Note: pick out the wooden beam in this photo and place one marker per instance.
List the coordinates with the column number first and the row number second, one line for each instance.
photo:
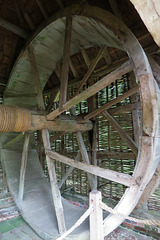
column 73, row 69
column 121, row 178
column 36, row 79
column 85, row 158
column 128, row 140
column 127, row 67
column 65, row 64
column 13, row 28
column 54, row 187
column 70, row 169
column 115, row 155
column 63, row 124
column 111, row 103
column 90, row 69
column 86, row 58
column 43, row 11
column 23, row 168
column 125, row 108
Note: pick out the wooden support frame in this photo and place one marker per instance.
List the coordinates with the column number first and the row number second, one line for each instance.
column 65, row 64
column 128, row 140
column 121, row 178
column 23, row 168
column 54, row 187
column 104, row 82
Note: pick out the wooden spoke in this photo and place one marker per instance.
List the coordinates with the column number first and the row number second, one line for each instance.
column 85, row 157
column 73, row 69
column 129, row 141
column 54, row 187
column 121, row 178
column 65, row 64
column 70, row 169
column 127, row 67
column 23, row 167
column 38, row 89
column 111, row 103
column 90, row 69
column 125, row 108
column 86, row 58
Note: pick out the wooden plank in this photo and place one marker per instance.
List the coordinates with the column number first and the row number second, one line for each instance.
column 90, row 69
column 73, row 69
column 96, row 216
column 36, row 79
column 111, row 103
column 128, row 140
column 23, row 168
column 127, row 67
column 65, row 64
column 54, row 187
column 111, row 175
column 13, row 28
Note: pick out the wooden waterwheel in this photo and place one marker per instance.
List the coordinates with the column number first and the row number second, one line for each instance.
column 66, row 33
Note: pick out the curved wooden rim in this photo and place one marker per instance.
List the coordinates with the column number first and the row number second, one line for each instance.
column 143, row 72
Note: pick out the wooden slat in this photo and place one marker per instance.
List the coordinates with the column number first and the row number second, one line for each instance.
column 54, row 187
column 65, row 64
column 127, row 67
column 36, row 79
column 111, row 103
column 23, row 168
column 90, row 69
column 128, row 140
column 104, row 173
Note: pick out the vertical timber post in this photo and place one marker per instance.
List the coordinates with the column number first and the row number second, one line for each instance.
column 96, row 216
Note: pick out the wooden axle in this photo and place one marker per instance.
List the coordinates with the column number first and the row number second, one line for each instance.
column 15, row 119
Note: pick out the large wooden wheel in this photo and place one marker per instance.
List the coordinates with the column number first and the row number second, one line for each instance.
column 76, row 28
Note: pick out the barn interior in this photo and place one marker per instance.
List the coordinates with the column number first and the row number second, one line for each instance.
column 80, row 112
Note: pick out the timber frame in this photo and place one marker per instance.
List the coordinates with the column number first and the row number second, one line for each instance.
column 145, row 151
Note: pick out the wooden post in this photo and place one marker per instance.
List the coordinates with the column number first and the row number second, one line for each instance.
column 23, row 167
column 96, row 216
column 54, row 187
